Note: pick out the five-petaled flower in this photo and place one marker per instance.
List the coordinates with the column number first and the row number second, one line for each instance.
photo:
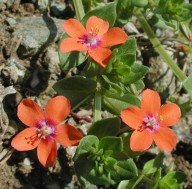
column 94, row 39
column 150, row 122
column 45, row 128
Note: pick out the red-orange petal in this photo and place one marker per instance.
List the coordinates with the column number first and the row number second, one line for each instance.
column 165, row 138
column 47, row 152
column 150, row 102
column 100, row 55
column 29, row 112
column 72, row 44
column 113, row 36
column 133, row 117
column 170, row 113
column 67, row 135
column 74, row 28
column 95, row 24
column 25, row 140
column 57, row 109
column 140, row 140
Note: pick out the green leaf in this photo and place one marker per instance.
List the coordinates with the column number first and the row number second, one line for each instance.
column 106, row 12
column 172, row 180
column 153, row 165
column 130, row 184
column 187, row 83
column 138, row 71
column 71, row 59
column 82, row 169
column 115, row 146
column 139, row 3
column 100, row 179
column 126, row 169
column 105, row 127
column 122, row 14
column 115, row 103
column 77, row 89
column 125, row 53
column 82, row 164
column 86, row 144
column 92, row 69
column 179, row 176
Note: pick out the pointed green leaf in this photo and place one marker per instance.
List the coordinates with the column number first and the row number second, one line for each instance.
column 187, row 83
column 105, row 127
column 115, row 103
column 115, row 146
column 138, row 71
column 106, row 12
column 126, row 169
column 153, row 165
column 77, row 89
column 86, row 144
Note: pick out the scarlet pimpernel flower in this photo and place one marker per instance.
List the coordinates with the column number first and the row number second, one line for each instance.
column 151, row 121
column 94, row 39
column 45, row 128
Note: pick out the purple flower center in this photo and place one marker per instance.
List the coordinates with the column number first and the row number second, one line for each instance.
column 92, row 39
column 45, row 130
column 152, row 122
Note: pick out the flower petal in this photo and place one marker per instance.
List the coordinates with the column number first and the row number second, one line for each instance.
column 29, row 112
column 133, row 117
column 171, row 114
column 57, row 109
column 141, row 140
column 165, row 138
column 25, row 140
column 150, row 102
column 113, row 36
column 100, row 55
column 74, row 28
column 67, row 135
column 47, row 152
column 95, row 24
column 72, row 44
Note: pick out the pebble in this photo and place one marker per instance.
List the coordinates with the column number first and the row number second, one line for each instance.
column 37, row 33
column 57, row 8
column 11, row 21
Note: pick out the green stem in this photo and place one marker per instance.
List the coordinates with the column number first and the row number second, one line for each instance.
column 157, row 45
column 97, row 108
column 79, row 9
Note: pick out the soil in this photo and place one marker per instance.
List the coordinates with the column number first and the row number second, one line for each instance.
column 31, row 71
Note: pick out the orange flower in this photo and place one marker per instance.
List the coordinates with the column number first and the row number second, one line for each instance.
column 44, row 131
column 94, row 39
column 151, row 122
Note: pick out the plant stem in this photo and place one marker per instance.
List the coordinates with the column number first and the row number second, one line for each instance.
column 157, row 45
column 79, row 9
column 97, row 107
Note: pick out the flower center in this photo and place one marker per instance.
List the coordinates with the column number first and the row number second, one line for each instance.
column 152, row 122
column 45, row 130
column 91, row 40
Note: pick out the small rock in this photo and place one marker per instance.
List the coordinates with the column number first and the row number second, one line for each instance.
column 11, row 21
column 52, row 61
column 57, row 8
column 43, row 5
column 37, row 33
column 9, row 3
column 29, row 7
